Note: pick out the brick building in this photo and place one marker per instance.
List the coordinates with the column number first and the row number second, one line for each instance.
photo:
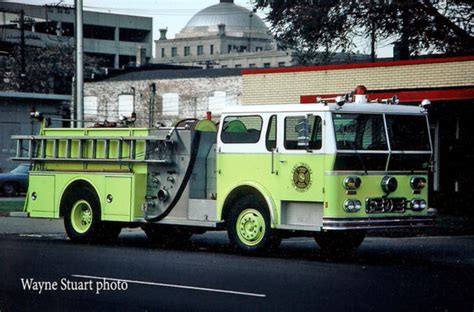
column 166, row 95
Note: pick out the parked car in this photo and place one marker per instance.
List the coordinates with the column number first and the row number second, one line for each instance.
column 14, row 182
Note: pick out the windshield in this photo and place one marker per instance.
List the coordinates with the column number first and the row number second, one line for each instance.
column 362, row 144
column 408, row 133
column 22, row 169
column 360, row 132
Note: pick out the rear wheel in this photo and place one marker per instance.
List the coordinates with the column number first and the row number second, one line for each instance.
column 339, row 242
column 82, row 219
column 249, row 225
column 10, row 189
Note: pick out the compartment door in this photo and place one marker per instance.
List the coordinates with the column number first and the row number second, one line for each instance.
column 117, row 201
column 41, row 193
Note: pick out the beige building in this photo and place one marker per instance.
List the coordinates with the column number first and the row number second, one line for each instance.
column 223, row 35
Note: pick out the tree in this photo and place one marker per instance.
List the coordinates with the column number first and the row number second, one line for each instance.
column 312, row 26
column 47, row 70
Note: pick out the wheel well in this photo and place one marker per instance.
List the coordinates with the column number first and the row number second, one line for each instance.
column 238, row 193
column 72, row 189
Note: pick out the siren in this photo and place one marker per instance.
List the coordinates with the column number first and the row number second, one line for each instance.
column 360, row 95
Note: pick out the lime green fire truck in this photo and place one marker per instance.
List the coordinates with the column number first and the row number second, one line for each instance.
column 330, row 170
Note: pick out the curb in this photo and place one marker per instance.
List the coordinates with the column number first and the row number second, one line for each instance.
column 18, row 214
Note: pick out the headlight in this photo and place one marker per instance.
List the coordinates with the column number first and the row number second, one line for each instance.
column 422, row 204
column 389, row 184
column 352, row 183
column 352, row 205
column 417, row 183
column 417, row 204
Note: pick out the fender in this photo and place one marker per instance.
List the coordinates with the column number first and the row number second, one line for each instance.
column 272, row 207
column 71, row 181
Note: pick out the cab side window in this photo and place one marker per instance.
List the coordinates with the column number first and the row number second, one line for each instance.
column 241, row 129
column 314, row 132
column 270, row 141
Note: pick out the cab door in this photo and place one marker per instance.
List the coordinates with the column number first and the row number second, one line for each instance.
column 300, row 162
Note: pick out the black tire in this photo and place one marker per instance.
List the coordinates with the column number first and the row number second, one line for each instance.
column 341, row 243
column 89, row 227
column 248, row 226
column 168, row 236
column 9, row 189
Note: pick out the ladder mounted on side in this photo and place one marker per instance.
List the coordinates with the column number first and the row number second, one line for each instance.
column 105, row 149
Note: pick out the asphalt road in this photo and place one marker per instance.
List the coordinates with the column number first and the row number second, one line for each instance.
column 387, row 274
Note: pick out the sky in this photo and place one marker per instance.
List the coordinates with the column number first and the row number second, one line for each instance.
column 171, row 14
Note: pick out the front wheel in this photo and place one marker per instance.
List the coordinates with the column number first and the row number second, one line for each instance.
column 339, row 242
column 248, row 225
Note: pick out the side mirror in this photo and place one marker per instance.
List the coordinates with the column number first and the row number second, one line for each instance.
column 303, row 131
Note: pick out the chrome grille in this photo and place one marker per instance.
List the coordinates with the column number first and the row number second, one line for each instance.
column 385, row 205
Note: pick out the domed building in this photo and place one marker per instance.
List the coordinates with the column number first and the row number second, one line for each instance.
column 224, row 35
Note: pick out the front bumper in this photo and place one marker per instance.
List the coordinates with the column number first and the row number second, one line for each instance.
column 377, row 223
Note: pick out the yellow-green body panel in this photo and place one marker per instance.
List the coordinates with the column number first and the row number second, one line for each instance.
column 126, row 182
column 255, row 170
column 126, row 190
column 325, row 186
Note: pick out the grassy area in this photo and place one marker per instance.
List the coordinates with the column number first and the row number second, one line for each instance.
column 10, row 206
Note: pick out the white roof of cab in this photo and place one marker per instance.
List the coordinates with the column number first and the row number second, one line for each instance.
column 308, row 108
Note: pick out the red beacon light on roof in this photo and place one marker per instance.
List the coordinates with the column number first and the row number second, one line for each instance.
column 360, row 95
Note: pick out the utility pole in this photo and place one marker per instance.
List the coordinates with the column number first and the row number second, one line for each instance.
column 22, row 48
column 79, row 77
column 372, row 43
column 373, row 27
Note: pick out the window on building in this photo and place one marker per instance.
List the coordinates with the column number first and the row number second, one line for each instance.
column 220, row 100
column 293, row 131
column 212, row 49
column 125, row 105
column 200, row 50
column 127, row 60
column 252, row 65
column 243, row 49
column 170, row 104
column 98, row 32
column 217, row 102
column 229, row 48
column 258, row 49
column 187, row 51
column 133, row 35
column 281, row 64
column 266, row 65
column 163, row 52
column 223, row 66
column 238, row 65
column 241, row 129
column 174, row 51
column 90, row 105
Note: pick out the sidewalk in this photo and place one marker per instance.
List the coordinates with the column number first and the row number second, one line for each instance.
column 15, row 225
